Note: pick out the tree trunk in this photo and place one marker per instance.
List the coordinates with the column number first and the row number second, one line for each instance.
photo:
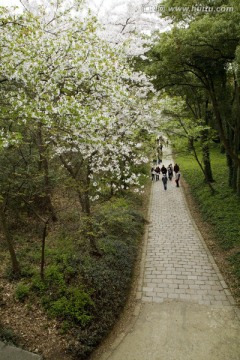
column 230, row 150
column 192, row 147
column 207, row 163
column 82, row 183
column 238, row 182
column 236, row 139
column 43, row 249
column 206, row 157
column 84, row 201
column 92, row 239
column 205, row 146
column 43, row 166
column 230, row 171
column 8, row 238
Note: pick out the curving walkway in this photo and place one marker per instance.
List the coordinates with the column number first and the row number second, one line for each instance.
column 185, row 310
column 8, row 352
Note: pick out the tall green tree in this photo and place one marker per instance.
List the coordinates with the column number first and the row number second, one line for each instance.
column 199, row 53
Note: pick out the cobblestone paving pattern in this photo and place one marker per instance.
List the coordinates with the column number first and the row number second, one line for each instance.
column 178, row 265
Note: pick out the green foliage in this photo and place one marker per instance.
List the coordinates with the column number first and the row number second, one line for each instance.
column 117, row 218
column 198, row 64
column 235, row 261
column 119, row 227
column 72, row 306
column 22, row 291
column 192, row 10
column 7, row 335
column 60, row 300
column 84, row 292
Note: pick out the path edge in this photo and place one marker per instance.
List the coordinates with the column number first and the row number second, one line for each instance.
column 138, row 293
column 210, row 256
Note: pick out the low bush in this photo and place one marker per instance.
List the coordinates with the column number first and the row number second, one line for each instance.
column 22, row 291
column 119, row 219
column 7, row 335
column 60, row 300
column 75, row 306
column 119, row 227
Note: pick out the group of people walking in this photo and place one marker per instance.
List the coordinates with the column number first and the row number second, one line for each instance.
column 167, row 174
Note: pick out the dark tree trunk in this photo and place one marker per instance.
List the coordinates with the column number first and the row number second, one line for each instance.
column 207, row 163
column 8, row 238
column 230, row 171
column 205, row 146
column 237, row 134
column 43, row 250
column 84, row 201
column 82, row 183
column 231, row 153
column 192, row 147
column 43, row 166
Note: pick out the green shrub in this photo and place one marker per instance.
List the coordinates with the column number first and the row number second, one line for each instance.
column 22, row 291
column 110, row 279
column 119, row 219
column 74, row 306
column 7, row 335
column 38, row 285
column 60, row 300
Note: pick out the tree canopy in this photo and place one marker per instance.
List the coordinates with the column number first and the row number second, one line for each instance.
column 73, row 110
column 198, row 60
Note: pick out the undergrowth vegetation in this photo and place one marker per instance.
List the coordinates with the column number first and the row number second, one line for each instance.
column 7, row 335
column 84, row 290
column 221, row 210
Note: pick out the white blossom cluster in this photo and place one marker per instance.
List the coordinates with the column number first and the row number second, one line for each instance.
column 79, row 88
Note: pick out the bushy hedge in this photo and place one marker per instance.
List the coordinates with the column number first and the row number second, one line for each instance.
column 119, row 228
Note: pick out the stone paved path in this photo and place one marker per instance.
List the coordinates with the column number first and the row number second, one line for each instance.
column 184, row 310
column 178, row 264
column 8, row 352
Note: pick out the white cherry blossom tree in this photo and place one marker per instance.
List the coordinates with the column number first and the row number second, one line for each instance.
column 76, row 92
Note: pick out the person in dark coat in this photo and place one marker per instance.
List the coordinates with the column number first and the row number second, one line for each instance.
column 157, row 171
column 170, row 171
column 176, row 168
column 164, row 170
column 177, row 178
column 165, row 180
column 153, row 173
